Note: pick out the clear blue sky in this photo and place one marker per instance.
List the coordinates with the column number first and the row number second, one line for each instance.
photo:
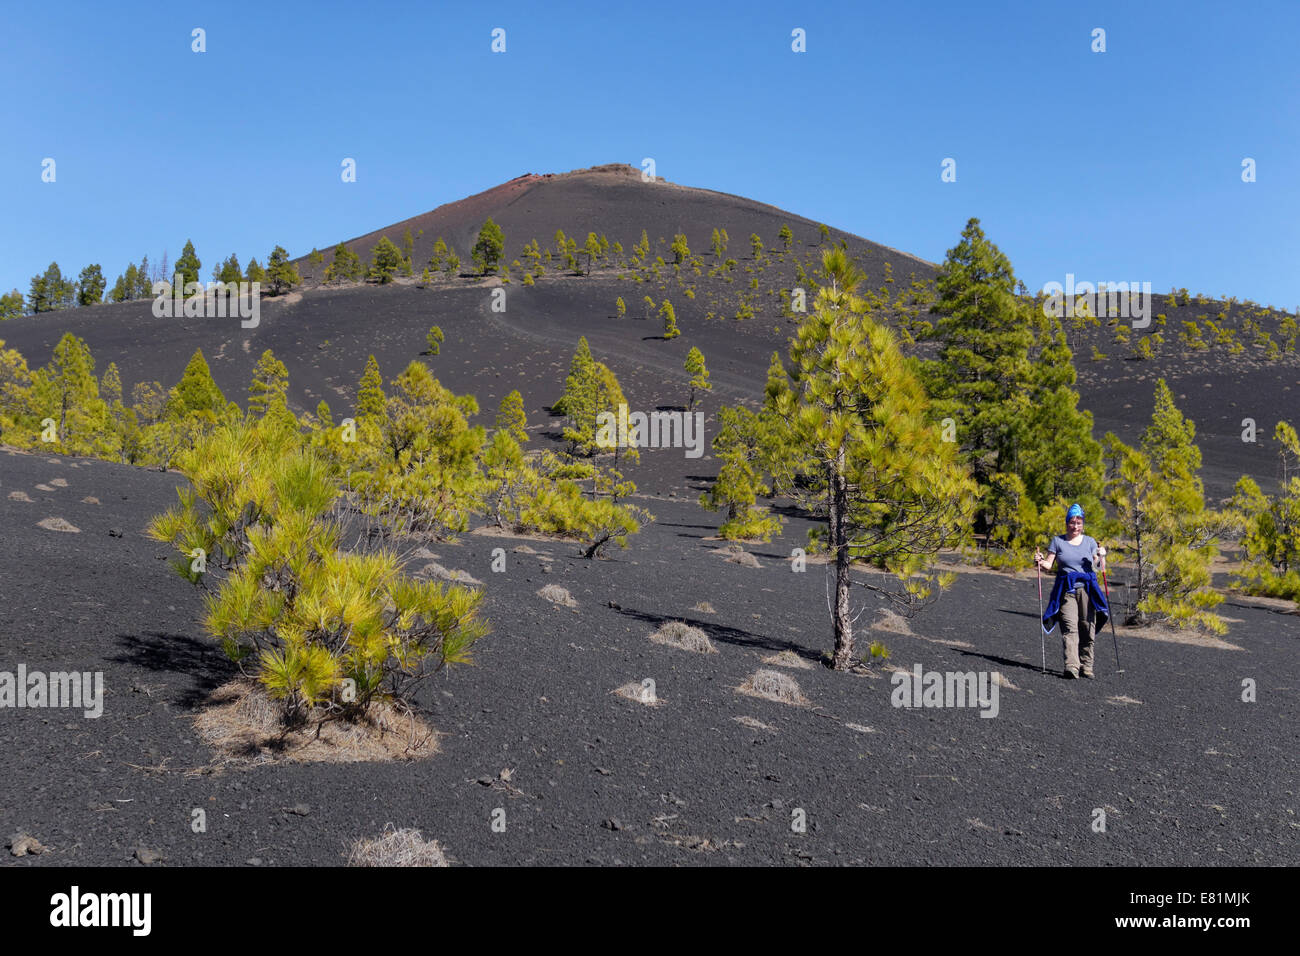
column 1123, row 165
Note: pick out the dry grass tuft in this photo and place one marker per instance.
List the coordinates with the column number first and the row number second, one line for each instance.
column 891, row 622
column 59, row 482
column 58, row 524
column 787, row 659
column 774, row 686
column 1169, row 635
column 557, row 595
column 20, row 496
column 637, row 691
column 1122, row 700
column 704, row 607
column 397, row 848
column 738, row 555
column 436, row 570
column 242, row 723
column 90, row 500
column 1003, row 682
column 681, row 635
column 754, row 723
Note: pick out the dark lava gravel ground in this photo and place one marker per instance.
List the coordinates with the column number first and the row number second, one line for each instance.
column 1186, row 772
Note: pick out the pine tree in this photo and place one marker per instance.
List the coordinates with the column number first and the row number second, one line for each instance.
column 609, row 398
column 488, row 249
column 124, row 287
column 231, row 273
column 144, row 286
column 671, row 331
column 370, row 394
column 439, row 254
column 408, row 250
column 67, row 391
column 506, row 473
column 786, row 237
column 431, row 481
column 50, row 292
column 315, row 258
column 756, row 243
column 269, row 386
column 592, row 248
column 865, row 452
column 122, row 440
column 255, row 273
column 433, row 340
column 197, row 392
column 187, row 265
column 11, row 305
column 580, row 399
column 90, row 286
column 1270, row 526
column 1009, row 393
column 15, row 390
column 452, row 266
column 699, row 374
column 620, row 307
column 306, row 617
column 345, row 266
column 385, row 260
column 1160, row 506
column 282, row 274
column 744, row 445
column 511, row 419
column 681, row 251
column 110, row 385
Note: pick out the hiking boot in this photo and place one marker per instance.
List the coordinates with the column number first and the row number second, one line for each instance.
column 1071, row 674
column 1086, row 671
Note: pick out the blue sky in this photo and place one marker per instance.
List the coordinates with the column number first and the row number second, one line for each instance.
column 1122, row 165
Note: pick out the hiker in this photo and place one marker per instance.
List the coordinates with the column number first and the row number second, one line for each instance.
column 1077, row 601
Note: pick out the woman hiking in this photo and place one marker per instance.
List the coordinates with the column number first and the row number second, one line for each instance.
column 1077, row 601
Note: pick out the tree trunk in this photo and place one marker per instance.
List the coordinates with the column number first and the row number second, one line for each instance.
column 839, row 499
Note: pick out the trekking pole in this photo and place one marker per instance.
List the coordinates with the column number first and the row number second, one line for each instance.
column 1102, row 552
column 1042, row 635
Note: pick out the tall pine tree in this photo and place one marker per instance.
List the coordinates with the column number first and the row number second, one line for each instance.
column 862, row 449
column 1005, row 378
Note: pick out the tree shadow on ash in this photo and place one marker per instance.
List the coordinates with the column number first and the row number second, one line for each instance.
column 202, row 662
column 1028, row 614
column 725, row 634
column 682, row 534
column 701, row 482
column 1004, row 661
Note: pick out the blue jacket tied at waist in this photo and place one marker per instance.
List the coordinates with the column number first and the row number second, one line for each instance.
column 1066, row 582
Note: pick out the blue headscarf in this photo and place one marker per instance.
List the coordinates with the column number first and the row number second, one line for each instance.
column 1075, row 512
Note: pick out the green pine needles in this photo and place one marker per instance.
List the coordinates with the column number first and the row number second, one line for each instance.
column 327, row 632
